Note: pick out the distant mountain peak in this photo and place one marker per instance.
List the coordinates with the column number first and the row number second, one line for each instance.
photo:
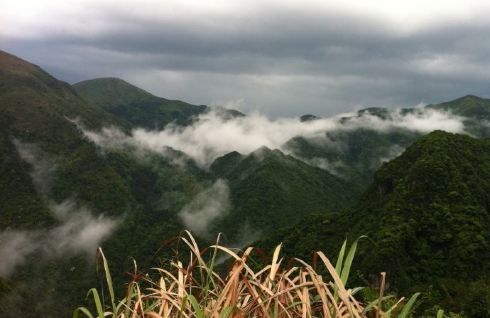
column 109, row 82
column 470, row 97
column 109, row 91
column 469, row 106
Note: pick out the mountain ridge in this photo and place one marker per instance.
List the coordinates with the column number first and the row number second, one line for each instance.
column 139, row 107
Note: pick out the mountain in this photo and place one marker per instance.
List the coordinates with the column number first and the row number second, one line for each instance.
column 356, row 153
column 38, row 109
column 137, row 106
column 269, row 190
column 426, row 214
column 47, row 165
column 58, row 187
column 474, row 109
column 353, row 155
column 32, row 97
column 468, row 106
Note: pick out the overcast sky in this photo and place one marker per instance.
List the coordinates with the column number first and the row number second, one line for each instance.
column 283, row 58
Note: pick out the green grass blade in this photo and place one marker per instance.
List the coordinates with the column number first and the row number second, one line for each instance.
column 338, row 266
column 356, row 290
column 344, row 276
column 83, row 310
column 198, row 311
column 131, row 294
column 376, row 302
column 440, row 313
column 340, row 258
column 227, row 312
column 109, row 280
column 210, row 268
column 98, row 303
column 408, row 307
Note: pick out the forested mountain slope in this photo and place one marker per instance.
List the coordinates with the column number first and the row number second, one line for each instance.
column 426, row 215
column 137, row 106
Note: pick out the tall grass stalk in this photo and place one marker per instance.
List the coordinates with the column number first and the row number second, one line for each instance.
column 197, row 289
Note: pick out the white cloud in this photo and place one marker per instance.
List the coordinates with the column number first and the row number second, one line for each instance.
column 206, row 207
column 42, row 166
column 79, row 231
column 15, row 247
column 212, row 136
column 332, row 166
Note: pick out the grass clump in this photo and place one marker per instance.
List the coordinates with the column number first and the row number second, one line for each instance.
column 203, row 288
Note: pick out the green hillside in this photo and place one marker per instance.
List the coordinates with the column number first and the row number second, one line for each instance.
column 270, row 190
column 353, row 155
column 37, row 108
column 137, row 106
column 37, row 111
column 476, row 111
column 427, row 218
column 468, row 106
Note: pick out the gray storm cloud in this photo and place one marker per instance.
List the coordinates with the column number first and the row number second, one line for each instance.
column 205, row 207
column 283, row 58
column 212, row 136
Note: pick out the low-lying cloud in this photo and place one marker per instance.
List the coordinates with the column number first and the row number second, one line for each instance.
column 212, row 136
column 15, row 246
column 206, row 207
column 78, row 231
column 42, row 166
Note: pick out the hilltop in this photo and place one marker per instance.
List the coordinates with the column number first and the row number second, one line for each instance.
column 137, row 106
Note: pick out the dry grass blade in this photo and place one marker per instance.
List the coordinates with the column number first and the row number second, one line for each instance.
column 197, row 289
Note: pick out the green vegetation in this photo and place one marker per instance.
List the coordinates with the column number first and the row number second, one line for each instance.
column 475, row 110
column 270, row 190
column 353, row 155
column 138, row 107
column 469, row 106
column 427, row 219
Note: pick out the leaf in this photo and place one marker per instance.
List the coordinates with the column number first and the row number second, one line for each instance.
column 227, row 312
column 98, row 304
column 344, row 276
column 84, row 310
column 440, row 313
column 340, row 258
column 197, row 308
column 408, row 307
